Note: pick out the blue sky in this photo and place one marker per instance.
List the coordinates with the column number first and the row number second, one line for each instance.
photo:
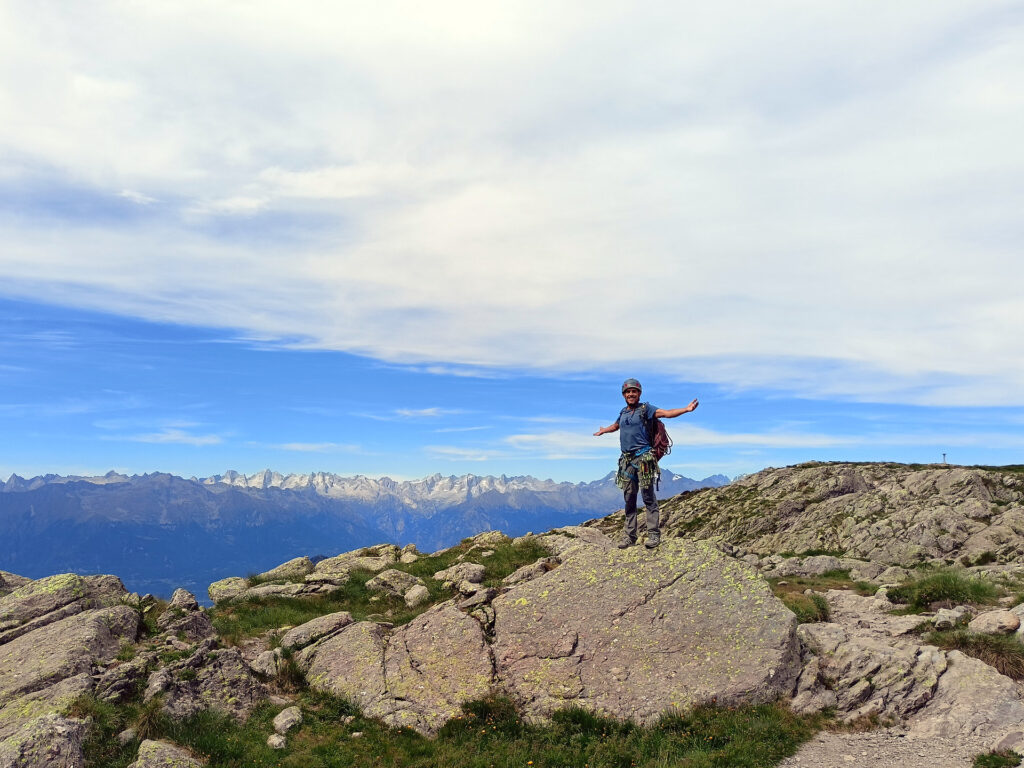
column 403, row 240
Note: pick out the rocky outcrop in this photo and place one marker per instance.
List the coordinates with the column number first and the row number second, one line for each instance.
column 227, row 589
column 184, row 618
column 300, row 578
column 886, row 513
column 58, row 633
column 393, row 582
column 675, row 627
column 10, row 582
column 214, row 679
column 35, row 604
column 868, row 663
column 48, row 741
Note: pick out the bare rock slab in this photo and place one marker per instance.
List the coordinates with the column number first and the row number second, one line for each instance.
column 633, row 634
column 971, row 700
column 313, row 630
column 292, row 570
column 63, row 649
column 417, row 676
column 51, row 741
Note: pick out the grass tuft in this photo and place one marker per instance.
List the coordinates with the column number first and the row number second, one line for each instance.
column 949, row 587
column 808, row 608
column 1003, row 652
column 1000, row 759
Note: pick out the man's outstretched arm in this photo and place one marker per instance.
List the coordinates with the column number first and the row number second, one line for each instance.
column 671, row 413
column 610, row 428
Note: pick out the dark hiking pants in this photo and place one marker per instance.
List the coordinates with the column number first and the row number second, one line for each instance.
column 651, row 505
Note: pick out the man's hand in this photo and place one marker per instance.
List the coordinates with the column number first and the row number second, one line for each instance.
column 692, row 406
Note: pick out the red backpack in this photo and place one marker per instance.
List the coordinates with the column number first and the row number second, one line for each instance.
column 657, row 435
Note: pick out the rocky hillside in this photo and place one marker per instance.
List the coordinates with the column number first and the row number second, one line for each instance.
column 887, row 513
column 312, row 656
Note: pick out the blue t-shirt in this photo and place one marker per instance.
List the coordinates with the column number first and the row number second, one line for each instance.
column 633, row 428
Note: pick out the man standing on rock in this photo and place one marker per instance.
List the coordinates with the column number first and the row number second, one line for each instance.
column 638, row 467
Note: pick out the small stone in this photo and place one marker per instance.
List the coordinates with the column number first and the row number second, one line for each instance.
column 287, row 719
column 417, row 596
column 357, row 734
column 276, row 741
column 126, row 736
column 995, row 623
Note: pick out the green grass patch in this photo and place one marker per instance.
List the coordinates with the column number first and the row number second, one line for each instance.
column 944, row 588
column 488, row 733
column 1003, row 652
column 808, row 608
column 238, row 619
column 786, row 585
column 1001, row 759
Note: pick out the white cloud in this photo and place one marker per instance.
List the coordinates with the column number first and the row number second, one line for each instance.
column 170, row 435
column 318, row 447
column 456, row 453
column 821, row 200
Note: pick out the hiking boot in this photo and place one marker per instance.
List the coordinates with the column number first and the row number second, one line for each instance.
column 652, row 543
column 626, row 544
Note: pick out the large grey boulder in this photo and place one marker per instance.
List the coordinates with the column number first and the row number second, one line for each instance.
column 63, row 649
column 293, row 570
column 418, row 676
column 313, row 630
column 471, row 572
column 35, row 604
column 160, row 754
column 227, row 589
column 43, row 671
column 995, row 623
column 634, row 633
column 184, row 617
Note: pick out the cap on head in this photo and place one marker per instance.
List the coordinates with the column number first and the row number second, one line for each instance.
column 631, row 384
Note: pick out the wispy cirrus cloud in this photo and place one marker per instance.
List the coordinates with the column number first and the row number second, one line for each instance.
column 412, row 414
column 457, row 453
column 318, row 447
column 170, row 436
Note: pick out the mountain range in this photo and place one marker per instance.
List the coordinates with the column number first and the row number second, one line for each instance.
column 159, row 531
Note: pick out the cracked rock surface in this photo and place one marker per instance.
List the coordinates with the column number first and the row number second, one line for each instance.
column 629, row 634
column 417, row 676
column 946, row 707
column 633, row 634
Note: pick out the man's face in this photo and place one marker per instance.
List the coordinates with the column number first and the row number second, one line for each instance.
column 632, row 396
